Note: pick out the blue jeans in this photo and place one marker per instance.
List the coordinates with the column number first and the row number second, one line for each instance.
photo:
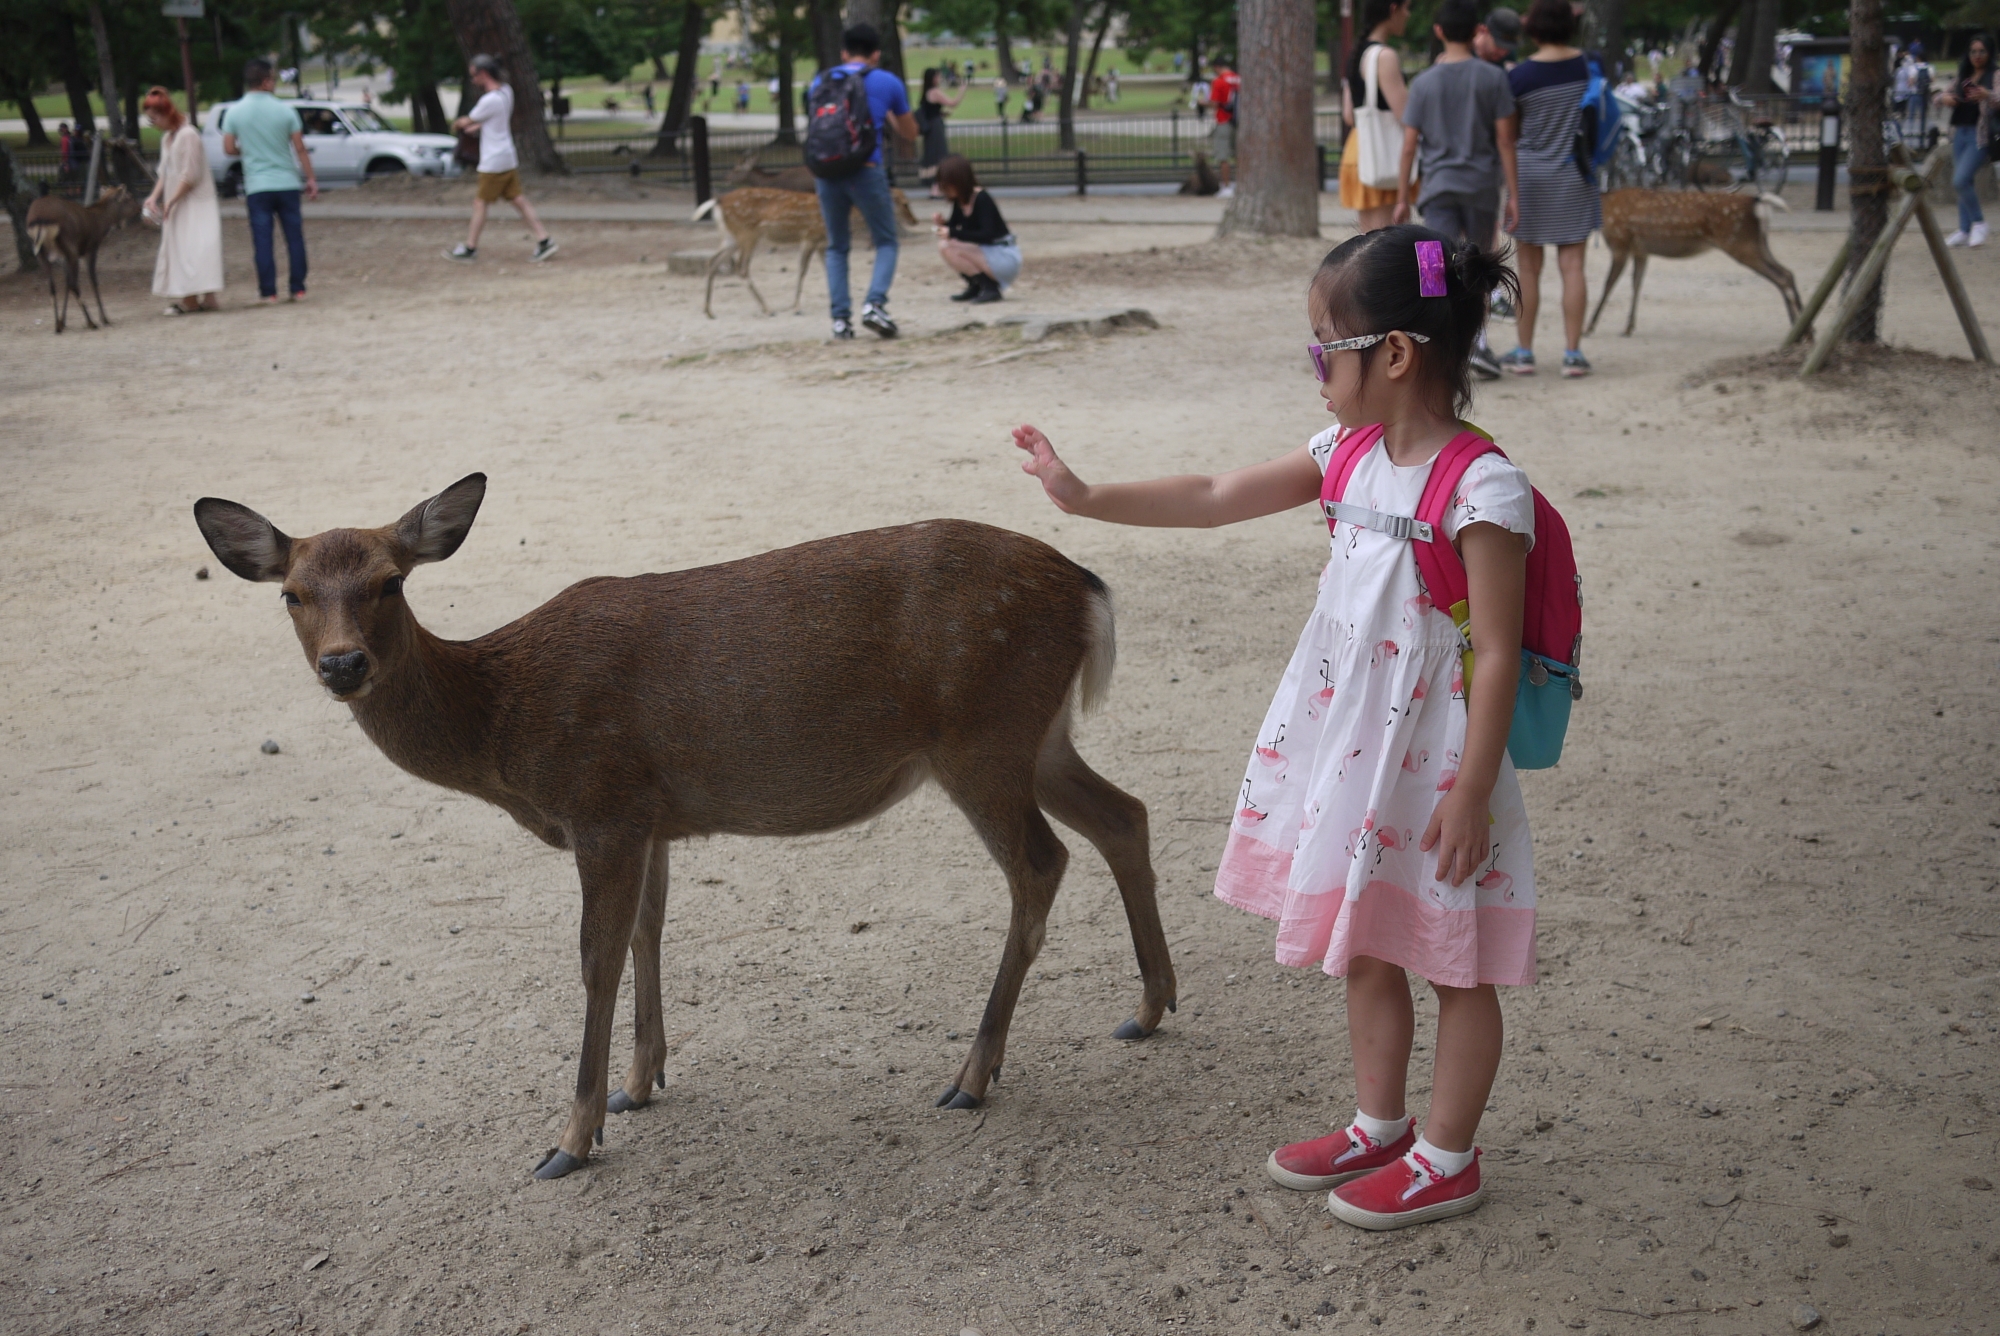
column 283, row 205
column 1966, row 157
column 868, row 191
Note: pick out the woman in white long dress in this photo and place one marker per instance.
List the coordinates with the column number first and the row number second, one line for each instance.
column 183, row 204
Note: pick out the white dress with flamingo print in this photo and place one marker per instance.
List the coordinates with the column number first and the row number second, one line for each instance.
column 1360, row 744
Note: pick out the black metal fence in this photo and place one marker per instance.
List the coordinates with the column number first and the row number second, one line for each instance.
column 1108, row 150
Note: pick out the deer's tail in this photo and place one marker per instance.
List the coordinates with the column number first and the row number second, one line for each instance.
column 707, row 207
column 1766, row 202
column 40, row 235
column 1100, row 654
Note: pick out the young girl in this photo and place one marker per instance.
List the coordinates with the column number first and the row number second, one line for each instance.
column 1380, row 822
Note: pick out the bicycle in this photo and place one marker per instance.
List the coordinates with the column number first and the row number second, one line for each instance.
column 1761, row 146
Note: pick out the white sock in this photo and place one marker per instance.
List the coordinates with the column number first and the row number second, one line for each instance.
column 1382, row 1131
column 1446, row 1162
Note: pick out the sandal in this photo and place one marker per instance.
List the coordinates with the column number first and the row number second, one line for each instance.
column 177, row 309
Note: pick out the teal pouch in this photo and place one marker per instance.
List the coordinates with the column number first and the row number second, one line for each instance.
column 1541, row 711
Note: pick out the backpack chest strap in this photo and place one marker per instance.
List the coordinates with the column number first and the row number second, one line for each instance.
column 1395, row 526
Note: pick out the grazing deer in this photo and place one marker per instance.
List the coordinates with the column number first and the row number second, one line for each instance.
column 1680, row 224
column 60, row 227
column 750, row 217
column 627, row 713
column 747, row 172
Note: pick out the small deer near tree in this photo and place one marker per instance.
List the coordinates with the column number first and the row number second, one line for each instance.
column 60, row 229
column 785, row 694
column 1680, row 224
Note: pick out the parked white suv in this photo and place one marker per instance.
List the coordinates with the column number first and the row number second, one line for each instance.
column 349, row 143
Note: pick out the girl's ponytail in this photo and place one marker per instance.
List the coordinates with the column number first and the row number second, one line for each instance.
column 1481, row 272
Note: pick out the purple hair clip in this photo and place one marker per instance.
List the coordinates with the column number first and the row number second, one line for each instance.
column 1430, row 268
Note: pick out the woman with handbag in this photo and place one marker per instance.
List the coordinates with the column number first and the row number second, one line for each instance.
column 1970, row 97
column 1371, row 106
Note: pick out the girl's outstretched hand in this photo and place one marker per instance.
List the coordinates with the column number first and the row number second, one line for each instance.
column 1460, row 832
column 1064, row 488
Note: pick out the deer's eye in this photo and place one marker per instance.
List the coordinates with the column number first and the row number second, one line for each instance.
column 291, row 599
column 392, row 586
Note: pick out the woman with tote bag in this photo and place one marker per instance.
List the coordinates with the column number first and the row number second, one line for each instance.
column 1371, row 104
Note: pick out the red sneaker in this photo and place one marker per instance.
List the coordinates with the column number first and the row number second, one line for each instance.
column 1408, row 1192
column 1314, row 1166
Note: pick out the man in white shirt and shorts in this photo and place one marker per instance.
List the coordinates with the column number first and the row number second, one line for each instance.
column 499, row 166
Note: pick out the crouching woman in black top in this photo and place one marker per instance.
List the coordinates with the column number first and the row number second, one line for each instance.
column 974, row 241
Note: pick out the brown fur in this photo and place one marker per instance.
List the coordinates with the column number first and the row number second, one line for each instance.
column 747, row 172
column 755, row 216
column 63, row 228
column 1679, row 224
column 784, row 694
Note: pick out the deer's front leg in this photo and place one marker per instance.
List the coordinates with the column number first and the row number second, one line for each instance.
column 612, row 865
column 649, row 1047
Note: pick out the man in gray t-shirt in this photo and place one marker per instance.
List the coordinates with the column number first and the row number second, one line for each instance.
column 1458, row 133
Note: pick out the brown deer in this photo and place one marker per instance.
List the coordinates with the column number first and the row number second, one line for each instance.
column 60, row 227
column 627, row 713
column 748, row 172
column 754, row 216
column 1680, row 224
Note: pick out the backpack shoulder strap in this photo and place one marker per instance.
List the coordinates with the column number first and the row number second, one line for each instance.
column 1348, row 449
column 1438, row 561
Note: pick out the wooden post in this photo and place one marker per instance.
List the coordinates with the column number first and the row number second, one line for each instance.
column 698, row 150
column 1861, row 290
column 1961, row 301
column 187, row 73
column 1831, row 280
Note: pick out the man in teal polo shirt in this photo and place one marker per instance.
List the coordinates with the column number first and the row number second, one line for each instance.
column 270, row 138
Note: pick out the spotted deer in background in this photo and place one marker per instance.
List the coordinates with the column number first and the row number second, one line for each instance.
column 1680, row 224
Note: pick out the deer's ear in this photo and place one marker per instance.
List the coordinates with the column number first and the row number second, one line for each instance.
column 244, row 541
column 433, row 530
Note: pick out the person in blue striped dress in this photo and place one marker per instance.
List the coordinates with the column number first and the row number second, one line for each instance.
column 1559, row 204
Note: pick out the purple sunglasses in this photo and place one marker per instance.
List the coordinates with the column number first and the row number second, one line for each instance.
column 1318, row 351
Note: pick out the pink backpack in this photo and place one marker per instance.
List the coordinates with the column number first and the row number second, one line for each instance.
column 1552, row 618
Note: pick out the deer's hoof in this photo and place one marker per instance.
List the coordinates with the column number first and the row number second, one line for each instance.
column 1130, row 1030
column 557, row 1163
column 620, row 1102
column 954, row 1098
column 660, row 1079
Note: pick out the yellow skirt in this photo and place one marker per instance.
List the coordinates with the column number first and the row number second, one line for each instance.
column 1354, row 195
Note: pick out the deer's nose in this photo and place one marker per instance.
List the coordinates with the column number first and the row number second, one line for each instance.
column 343, row 672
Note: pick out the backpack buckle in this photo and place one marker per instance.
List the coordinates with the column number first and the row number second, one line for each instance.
column 1395, row 526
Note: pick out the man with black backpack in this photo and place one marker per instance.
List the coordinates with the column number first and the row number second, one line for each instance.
column 847, row 109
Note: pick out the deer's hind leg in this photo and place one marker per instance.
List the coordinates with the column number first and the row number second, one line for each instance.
column 715, row 263
column 649, row 1040
column 996, row 793
column 1610, row 282
column 1115, row 822
column 749, row 253
column 806, row 253
column 72, row 272
column 58, row 305
column 1638, row 280
column 97, row 291
column 612, row 865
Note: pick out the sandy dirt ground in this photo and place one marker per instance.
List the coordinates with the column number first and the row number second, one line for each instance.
column 284, row 1034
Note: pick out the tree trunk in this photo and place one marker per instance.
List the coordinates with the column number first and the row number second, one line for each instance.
column 492, row 27
column 38, row 137
column 1607, row 24
column 1711, row 43
column 1066, row 96
column 788, row 126
column 14, row 198
column 69, row 61
column 1867, row 162
column 890, row 24
column 825, row 18
column 1096, row 45
column 107, row 73
column 1277, row 190
column 659, row 67
column 1003, row 46
column 1763, row 49
column 680, row 97
column 427, row 111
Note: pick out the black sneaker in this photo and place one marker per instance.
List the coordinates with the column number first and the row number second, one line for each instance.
column 543, row 250
column 1498, row 305
column 989, row 290
column 463, row 253
column 972, row 290
column 843, row 328
column 1484, row 364
column 878, row 320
